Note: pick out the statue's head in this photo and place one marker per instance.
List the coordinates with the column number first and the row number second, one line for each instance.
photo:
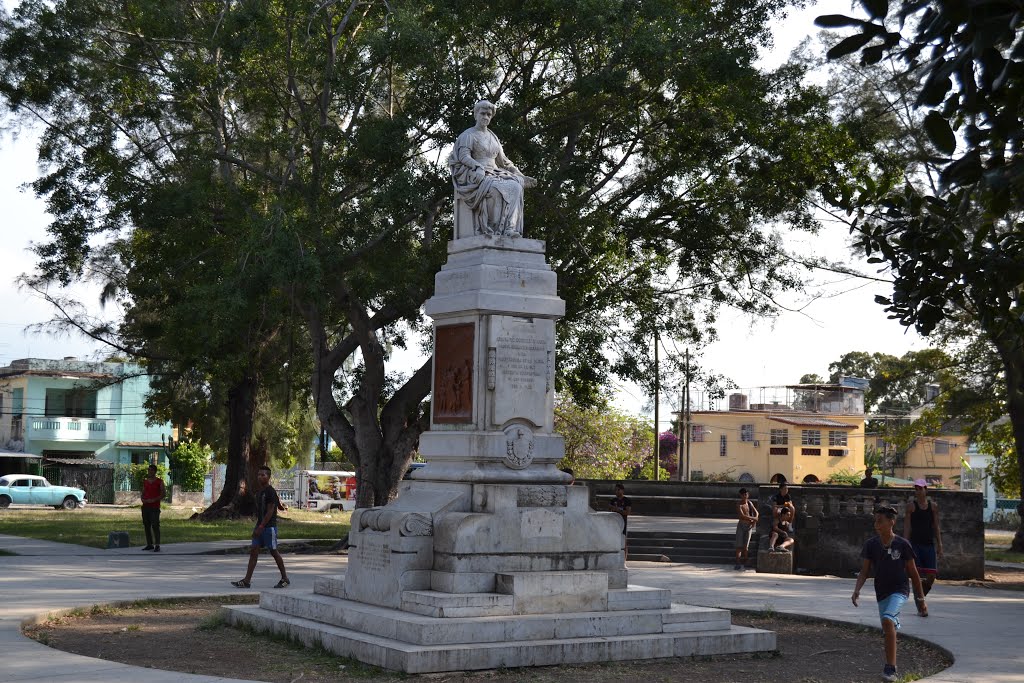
column 483, row 105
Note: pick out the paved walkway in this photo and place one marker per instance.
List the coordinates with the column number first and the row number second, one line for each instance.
column 979, row 626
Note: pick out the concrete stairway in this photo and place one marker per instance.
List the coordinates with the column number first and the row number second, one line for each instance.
column 640, row 623
column 685, row 546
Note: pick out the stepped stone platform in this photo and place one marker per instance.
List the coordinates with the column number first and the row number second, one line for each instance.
column 435, row 631
column 686, row 546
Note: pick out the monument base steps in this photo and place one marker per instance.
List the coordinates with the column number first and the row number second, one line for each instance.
column 480, row 631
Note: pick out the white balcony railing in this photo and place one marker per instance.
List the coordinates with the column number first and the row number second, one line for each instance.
column 71, row 429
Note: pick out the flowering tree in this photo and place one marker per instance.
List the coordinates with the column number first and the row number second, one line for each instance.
column 667, row 449
column 602, row 443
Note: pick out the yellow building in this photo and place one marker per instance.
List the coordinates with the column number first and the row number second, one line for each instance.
column 820, row 430
column 936, row 459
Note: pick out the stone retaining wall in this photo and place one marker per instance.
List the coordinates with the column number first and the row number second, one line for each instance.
column 833, row 522
column 686, row 498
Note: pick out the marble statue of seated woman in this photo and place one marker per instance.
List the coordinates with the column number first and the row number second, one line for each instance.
column 489, row 185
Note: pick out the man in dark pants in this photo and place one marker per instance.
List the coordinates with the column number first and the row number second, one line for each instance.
column 152, row 493
column 265, row 533
column 921, row 528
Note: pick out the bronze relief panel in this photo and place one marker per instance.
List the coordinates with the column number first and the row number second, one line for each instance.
column 452, row 401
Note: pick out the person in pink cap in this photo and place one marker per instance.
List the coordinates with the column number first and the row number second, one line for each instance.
column 921, row 527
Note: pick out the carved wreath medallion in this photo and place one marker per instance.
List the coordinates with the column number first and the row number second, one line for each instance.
column 519, row 443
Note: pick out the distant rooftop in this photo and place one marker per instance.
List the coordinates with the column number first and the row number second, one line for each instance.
column 843, row 398
column 67, row 367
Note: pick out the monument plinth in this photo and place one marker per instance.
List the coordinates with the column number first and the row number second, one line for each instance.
column 488, row 558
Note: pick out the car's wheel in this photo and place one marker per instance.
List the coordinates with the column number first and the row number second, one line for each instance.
column 70, row 503
column 5, row 501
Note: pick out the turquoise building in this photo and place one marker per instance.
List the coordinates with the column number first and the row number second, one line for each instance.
column 71, row 412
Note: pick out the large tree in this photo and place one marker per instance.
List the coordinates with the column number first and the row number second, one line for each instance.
column 955, row 250
column 312, row 137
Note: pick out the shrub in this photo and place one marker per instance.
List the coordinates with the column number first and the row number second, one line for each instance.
column 135, row 473
column 844, row 477
column 190, row 461
column 1004, row 519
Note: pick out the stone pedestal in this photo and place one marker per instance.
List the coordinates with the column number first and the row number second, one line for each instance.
column 487, row 558
column 774, row 563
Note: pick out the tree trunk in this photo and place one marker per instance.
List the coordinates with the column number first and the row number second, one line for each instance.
column 1012, row 355
column 241, row 410
column 379, row 441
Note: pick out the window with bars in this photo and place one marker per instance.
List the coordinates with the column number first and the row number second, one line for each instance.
column 836, row 438
column 722, row 445
column 810, row 437
column 746, row 432
column 780, row 437
column 696, row 433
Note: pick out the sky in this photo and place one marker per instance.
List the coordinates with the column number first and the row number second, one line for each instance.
column 833, row 317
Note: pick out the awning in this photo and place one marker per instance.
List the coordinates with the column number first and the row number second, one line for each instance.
column 139, row 444
column 80, row 461
column 812, row 422
column 14, row 454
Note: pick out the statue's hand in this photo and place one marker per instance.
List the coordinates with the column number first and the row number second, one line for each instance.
column 529, row 182
column 477, row 174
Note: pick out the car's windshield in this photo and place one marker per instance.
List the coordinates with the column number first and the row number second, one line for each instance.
column 4, row 481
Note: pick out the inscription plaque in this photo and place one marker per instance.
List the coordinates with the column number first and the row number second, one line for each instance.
column 522, row 348
column 374, row 557
column 453, row 374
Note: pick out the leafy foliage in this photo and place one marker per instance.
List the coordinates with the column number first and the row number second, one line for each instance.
column 135, row 473
column 602, row 443
column 997, row 440
column 275, row 170
column 955, row 249
column 844, row 478
column 190, row 461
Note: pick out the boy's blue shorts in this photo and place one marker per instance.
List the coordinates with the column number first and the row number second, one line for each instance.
column 268, row 539
column 889, row 608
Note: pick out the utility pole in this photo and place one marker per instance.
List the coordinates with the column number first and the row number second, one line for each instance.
column 657, row 392
column 685, row 472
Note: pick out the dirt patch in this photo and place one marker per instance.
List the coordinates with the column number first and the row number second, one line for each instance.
column 190, row 636
column 1001, row 578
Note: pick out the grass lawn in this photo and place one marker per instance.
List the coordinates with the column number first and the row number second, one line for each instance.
column 91, row 525
column 1002, row 555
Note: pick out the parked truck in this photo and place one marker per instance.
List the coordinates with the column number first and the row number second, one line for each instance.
column 325, row 490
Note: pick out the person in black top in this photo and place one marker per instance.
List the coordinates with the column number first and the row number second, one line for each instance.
column 782, row 532
column 869, row 482
column 265, row 533
column 623, row 506
column 892, row 558
column 781, row 500
column 921, row 526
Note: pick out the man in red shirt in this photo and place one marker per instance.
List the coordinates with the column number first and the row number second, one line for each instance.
column 152, row 493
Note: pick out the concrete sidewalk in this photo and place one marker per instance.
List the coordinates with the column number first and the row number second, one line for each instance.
column 32, row 547
column 977, row 625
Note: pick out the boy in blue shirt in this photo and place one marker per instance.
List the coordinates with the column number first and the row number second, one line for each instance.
column 892, row 558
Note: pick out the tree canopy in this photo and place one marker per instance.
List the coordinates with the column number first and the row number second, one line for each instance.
column 955, row 249
column 273, row 163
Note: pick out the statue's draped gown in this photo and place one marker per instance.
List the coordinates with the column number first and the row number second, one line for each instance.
column 502, row 182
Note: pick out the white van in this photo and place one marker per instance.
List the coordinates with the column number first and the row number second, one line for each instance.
column 325, row 490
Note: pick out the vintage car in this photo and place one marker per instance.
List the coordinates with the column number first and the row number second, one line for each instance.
column 29, row 489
